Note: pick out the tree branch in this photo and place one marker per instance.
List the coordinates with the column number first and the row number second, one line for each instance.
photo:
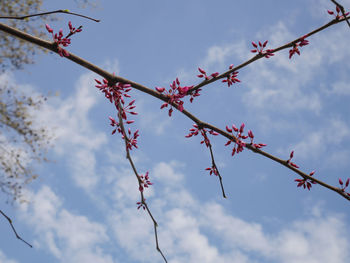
column 114, row 79
column 259, row 56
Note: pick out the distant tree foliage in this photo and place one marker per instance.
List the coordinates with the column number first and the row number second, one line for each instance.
column 21, row 140
column 15, row 53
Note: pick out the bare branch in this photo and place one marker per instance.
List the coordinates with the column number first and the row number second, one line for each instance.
column 65, row 11
column 143, row 200
column 13, row 228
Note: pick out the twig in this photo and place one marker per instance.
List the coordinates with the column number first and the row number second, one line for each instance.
column 214, row 165
column 143, row 200
column 259, row 56
column 13, row 228
column 65, row 11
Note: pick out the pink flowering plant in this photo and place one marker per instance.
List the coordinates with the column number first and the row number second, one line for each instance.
column 116, row 90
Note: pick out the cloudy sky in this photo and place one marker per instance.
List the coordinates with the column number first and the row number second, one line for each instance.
column 83, row 208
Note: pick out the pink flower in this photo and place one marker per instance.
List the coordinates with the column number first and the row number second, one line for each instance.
column 301, row 42
column 204, row 74
column 339, row 15
column 175, row 95
column 63, row 41
column 144, row 182
column 260, row 50
column 305, row 182
column 141, row 204
column 344, row 186
column 160, row 89
column 212, row 170
column 195, row 131
column 49, row 29
column 239, row 143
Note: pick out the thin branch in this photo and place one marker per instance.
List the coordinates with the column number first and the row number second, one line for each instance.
column 143, row 200
column 342, row 11
column 65, row 11
column 13, row 228
column 269, row 156
column 214, row 165
column 259, row 56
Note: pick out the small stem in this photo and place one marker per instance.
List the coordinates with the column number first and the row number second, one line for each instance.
column 13, row 228
column 214, row 165
column 65, row 11
column 128, row 156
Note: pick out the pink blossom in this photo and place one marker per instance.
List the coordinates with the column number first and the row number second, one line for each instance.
column 260, row 50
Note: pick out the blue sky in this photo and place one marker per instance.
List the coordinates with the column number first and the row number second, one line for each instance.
column 83, row 206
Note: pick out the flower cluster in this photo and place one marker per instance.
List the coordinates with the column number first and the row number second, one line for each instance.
column 344, row 186
column 64, row 41
column 305, row 182
column 141, row 204
column 116, row 93
column 232, row 77
column 260, row 50
column 212, row 170
column 205, row 76
column 131, row 140
column 239, row 143
column 175, row 94
column 195, row 131
column 337, row 16
column 144, row 181
column 301, row 42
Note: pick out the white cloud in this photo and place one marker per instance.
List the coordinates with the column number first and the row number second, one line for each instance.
column 165, row 172
column 4, row 259
column 281, row 83
column 154, row 121
column 218, row 55
column 340, row 88
column 83, row 168
column 68, row 236
column 316, row 143
column 70, row 117
column 187, row 226
column 318, row 239
column 76, row 137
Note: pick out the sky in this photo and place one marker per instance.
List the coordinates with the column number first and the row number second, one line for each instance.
column 83, row 208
